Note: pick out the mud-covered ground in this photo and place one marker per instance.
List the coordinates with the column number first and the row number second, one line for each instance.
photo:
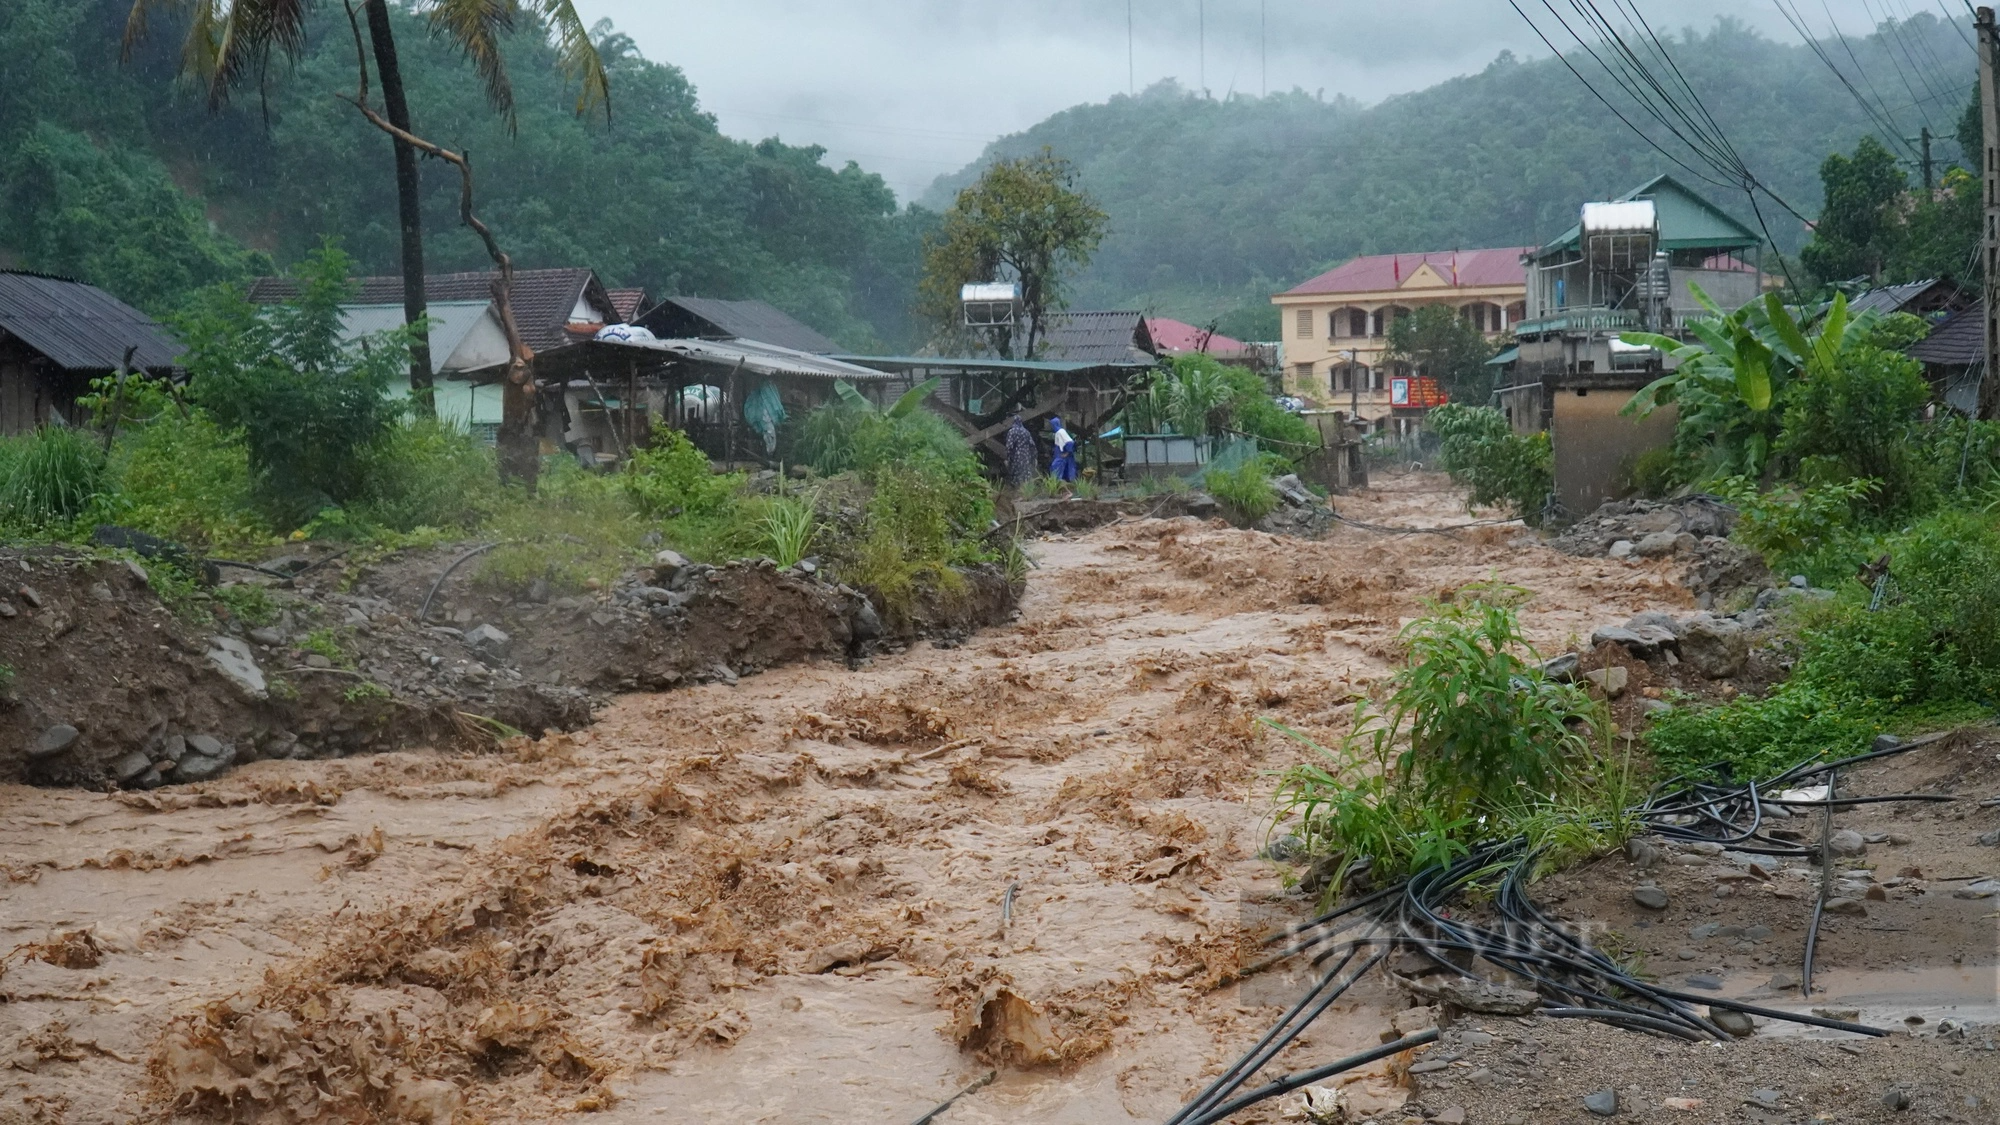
column 822, row 893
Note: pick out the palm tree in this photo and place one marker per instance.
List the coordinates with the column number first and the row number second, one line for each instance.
column 230, row 40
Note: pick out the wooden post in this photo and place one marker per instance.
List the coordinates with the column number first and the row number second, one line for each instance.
column 1989, row 176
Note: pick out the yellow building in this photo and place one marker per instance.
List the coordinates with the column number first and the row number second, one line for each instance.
column 1334, row 327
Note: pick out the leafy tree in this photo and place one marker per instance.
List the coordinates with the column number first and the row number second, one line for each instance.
column 1857, row 419
column 1023, row 221
column 228, row 41
column 1438, row 342
column 1729, row 384
column 310, row 406
column 1859, row 225
column 1478, row 447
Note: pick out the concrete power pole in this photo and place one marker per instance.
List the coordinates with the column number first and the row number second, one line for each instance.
column 1989, row 178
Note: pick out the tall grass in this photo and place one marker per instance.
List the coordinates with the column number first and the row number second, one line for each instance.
column 788, row 527
column 52, row 476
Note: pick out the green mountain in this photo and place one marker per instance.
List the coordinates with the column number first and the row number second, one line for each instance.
column 112, row 172
column 1217, row 204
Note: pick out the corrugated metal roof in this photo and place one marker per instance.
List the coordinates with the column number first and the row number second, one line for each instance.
column 1170, row 335
column 1098, row 336
column 1687, row 221
column 683, row 317
column 939, row 363
column 756, row 356
column 1891, row 298
column 80, row 327
column 541, row 299
column 1958, row 342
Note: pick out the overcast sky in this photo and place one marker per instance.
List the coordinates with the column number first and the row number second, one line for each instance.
column 915, row 88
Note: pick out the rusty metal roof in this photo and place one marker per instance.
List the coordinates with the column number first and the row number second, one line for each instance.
column 80, row 327
column 542, row 299
column 1096, row 337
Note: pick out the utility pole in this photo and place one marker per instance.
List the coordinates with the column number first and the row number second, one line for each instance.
column 1989, row 177
column 1930, row 184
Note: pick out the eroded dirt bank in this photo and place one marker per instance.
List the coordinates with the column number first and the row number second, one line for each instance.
column 817, row 894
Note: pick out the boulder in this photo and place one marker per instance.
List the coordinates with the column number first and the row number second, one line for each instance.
column 1717, row 647
column 52, row 741
column 489, row 639
column 667, row 565
column 1652, row 898
column 1622, row 549
column 865, row 623
column 1659, row 544
column 1848, row 842
column 1612, row 680
column 1562, row 668
column 232, row 658
column 200, row 766
column 131, row 766
column 1488, row 998
column 1656, row 620
column 1644, row 642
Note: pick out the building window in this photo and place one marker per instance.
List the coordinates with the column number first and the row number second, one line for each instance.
column 1303, row 372
column 1357, row 322
column 1305, row 324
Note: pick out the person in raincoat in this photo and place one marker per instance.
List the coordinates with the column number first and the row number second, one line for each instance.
column 1063, row 465
column 1020, row 454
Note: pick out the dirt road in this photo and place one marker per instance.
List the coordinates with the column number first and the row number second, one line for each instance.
column 816, row 895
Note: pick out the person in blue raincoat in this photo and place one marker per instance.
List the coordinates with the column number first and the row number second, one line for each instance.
column 1063, row 465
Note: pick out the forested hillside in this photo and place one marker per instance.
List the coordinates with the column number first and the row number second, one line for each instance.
column 1216, row 204
column 115, row 174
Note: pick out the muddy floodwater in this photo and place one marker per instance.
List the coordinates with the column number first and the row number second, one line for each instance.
column 819, row 894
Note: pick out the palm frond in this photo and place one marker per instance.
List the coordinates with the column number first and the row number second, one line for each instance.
column 476, row 26
column 576, row 54
column 136, row 20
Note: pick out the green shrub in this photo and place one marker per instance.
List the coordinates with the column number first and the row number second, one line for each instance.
column 579, row 527
column 1473, row 742
column 1858, row 419
column 1930, row 649
column 310, row 406
column 673, row 478
column 911, row 532
column 184, row 478
column 53, row 475
column 1652, row 474
column 1245, row 492
column 427, row 472
column 1480, row 450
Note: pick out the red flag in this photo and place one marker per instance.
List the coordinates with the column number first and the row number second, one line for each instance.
column 1398, row 266
column 1454, row 268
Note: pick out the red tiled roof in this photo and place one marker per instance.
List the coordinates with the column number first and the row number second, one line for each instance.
column 1171, row 335
column 542, row 299
column 1378, row 272
column 627, row 303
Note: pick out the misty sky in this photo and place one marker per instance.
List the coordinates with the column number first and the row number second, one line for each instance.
column 915, row 88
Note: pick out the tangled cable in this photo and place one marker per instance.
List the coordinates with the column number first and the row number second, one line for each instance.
column 1572, row 978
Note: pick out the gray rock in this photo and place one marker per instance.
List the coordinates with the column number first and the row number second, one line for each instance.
column 489, row 639
column 1848, row 842
column 1717, row 647
column 866, row 624
column 1652, row 898
column 1644, row 854
column 1560, row 668
column 318, row 660
column 806, row 566
column 1782, row 982
column 1654, row 706
column 1768, row 1098
column 667, row 565
column 268, row 637
column 1656, row 620
column 1895, row 1097
column 1800, row 582
column 1603, row 1103
column 202, row 766
column 1612, row 680
column 1734, row 1022
column 1847, row 906
column 130, row 766
column 232, row 658
column 32, row 596
column 173, row 747
column 1982, row 888
column 1885, row 742
column 1645, row 642
column 1488, row 998
column 101, row 592
column 52, row 741
column 654, row 595
column 151, row 779
column 1706, row 981
column 1622, row 549
column 1656, row 545
column 7, row 610
column 1282, row 849
column 204, row 744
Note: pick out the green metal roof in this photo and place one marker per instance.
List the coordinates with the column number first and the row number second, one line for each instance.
column 1687, row 221
column 1504, row 358
column 904, row 362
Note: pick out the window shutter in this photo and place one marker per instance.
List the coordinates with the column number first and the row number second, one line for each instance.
column 1305, row 324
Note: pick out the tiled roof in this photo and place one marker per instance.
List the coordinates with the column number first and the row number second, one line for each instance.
column 1096, row 337
column 1379, row 272
column 80, row 327
column 542, row 299
column 1958, row 342
column 1171, row 335
column 627, row 303
column 744, row 320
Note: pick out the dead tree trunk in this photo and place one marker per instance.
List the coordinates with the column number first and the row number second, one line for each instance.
column 520, row 452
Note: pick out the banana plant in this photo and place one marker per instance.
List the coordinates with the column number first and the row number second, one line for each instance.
column 1728, row 382
column 903, row 407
